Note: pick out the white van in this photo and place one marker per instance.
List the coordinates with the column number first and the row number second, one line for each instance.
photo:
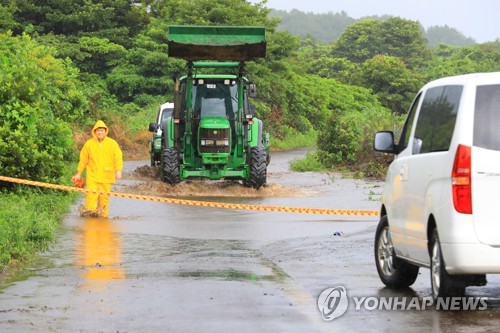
column 439, row 206
column 155, row 145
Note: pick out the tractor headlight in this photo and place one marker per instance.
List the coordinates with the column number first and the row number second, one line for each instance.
column 222, row 142
column 207, row 142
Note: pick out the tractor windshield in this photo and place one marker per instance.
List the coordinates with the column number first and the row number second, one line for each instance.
column 215, row 99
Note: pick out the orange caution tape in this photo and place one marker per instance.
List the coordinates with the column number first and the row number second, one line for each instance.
column 282, row 209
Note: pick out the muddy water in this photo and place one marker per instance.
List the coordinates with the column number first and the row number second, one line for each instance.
column 155, row 267
column 151, row 185
column 207, row 188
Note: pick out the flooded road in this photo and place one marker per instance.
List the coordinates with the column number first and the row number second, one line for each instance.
column 155, row 267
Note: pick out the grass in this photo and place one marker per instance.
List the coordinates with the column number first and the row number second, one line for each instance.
column 29, row 219
column 292, row 139
column 309, row 163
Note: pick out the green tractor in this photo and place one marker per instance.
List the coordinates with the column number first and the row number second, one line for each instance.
column 213, row 132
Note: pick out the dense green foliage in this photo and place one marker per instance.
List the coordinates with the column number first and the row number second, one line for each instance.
column 392, row 82
column 113, row 20
column 450, row 60
column 446, row 35
column 323, row 27
column 394, row 37
column 108, row 59
column 66, row 63
column 39, row 97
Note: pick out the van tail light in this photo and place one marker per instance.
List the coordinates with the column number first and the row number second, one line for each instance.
column 461, row 180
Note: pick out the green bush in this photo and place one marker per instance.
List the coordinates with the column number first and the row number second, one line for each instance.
column 39, row 96
column 309, row 163
column 348, row 135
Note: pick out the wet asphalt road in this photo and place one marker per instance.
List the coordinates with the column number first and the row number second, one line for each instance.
column 156, row 267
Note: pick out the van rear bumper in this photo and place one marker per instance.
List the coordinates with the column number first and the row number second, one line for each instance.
column 471, row 258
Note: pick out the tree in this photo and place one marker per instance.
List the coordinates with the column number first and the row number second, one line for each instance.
column 451, row 60
column 280, row 46
column 322, row 27
column 7, row 20
column 395, row 37
column 446, row 35
column 340, row 69
column 147, row 70
column 391, row 81
column 359, row 42
column 216, row 12
column 100, row 55
column 116, row 20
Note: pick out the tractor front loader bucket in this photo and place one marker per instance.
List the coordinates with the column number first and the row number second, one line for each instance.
column 222, row 43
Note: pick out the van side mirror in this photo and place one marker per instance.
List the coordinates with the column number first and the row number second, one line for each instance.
column 153, row 127
column 249, row 114
column 384, row 142
column 251, row 110
column 252, row 90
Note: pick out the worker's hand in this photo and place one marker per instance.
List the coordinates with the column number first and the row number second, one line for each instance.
column 118, row 174
column 77, row 180
column 76, row 177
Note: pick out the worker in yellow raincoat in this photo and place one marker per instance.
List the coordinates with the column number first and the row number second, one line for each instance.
column 102, row 157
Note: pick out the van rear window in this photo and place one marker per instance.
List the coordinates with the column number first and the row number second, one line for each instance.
column 487, row 117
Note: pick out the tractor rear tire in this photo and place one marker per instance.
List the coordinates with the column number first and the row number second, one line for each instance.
column 258, row 168
column 170, row 166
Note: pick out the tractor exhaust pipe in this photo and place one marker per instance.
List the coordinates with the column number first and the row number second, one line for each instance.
column 177, row 113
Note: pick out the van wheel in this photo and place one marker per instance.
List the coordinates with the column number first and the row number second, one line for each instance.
column 393, row 272
column 443, row 284
column 153, row 160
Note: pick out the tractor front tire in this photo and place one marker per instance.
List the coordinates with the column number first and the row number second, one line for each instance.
column 258, row 168
column 170, row 166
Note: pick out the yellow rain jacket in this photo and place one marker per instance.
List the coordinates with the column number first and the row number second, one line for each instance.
column 101, row 159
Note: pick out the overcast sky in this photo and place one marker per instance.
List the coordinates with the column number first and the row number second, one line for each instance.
column 479, row 19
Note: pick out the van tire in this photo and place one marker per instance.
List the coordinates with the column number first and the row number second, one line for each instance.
column 153, row 159
column 394, row 272
column 443, row 284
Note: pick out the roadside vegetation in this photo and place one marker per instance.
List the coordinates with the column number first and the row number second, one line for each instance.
column 29, row 220
column 64, row 65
